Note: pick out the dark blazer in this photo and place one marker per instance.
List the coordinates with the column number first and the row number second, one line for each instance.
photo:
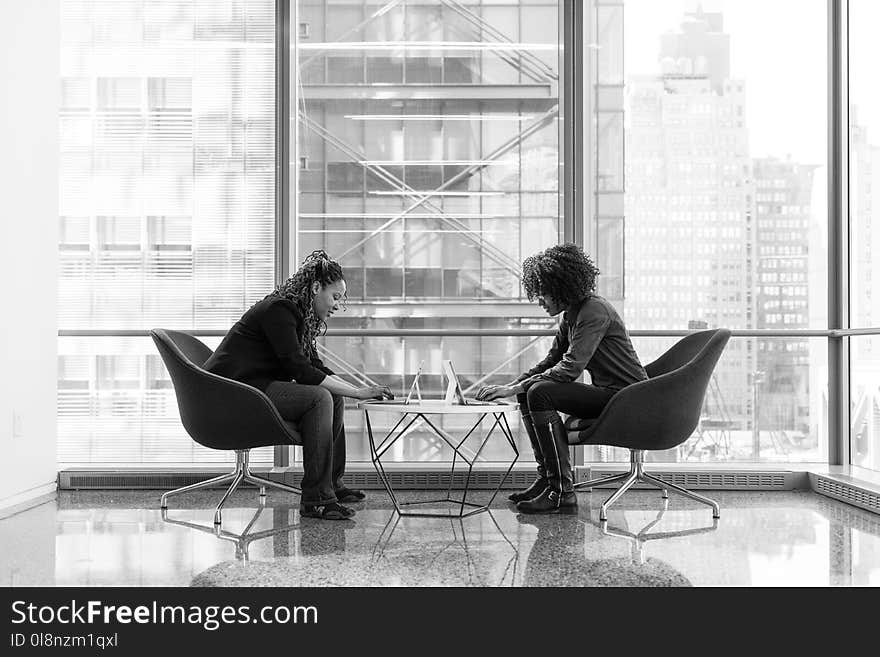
column 265, row 345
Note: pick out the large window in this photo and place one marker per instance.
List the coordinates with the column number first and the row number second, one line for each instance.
column 864, row 176
column 425, row 153
column 426, row 159
column 725, row 207
column 167, row 214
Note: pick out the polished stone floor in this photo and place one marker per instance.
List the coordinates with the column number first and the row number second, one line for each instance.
column 120, row 538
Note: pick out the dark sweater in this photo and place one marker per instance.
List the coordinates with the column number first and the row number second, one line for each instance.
column 265, row 346
column 591, row 336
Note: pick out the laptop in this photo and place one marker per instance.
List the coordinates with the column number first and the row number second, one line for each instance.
column 454, row 393
column 414, row 388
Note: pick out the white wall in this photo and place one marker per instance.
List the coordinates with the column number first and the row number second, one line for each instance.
column 29, row 97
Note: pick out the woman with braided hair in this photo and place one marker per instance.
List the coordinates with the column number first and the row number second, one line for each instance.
column 592, row 337
column 273, row 348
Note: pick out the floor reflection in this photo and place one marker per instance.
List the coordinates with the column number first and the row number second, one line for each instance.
column 121, row 538
column 567, row 552
column 638, row 539
column 243, row 540
column 483, row 556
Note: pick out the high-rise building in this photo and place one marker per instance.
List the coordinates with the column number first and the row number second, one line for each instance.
column 783, row 212
column 865, row 309
column 865, row 234
column 690, row 231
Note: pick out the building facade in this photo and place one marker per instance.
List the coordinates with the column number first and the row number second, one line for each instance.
column 690, row 215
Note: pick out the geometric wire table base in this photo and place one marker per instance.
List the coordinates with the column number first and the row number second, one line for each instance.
column 421, row 411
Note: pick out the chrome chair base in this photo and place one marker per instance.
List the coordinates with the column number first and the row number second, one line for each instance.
column 241, row 473
column 635, row 475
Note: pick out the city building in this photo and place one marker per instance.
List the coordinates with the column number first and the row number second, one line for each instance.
column 783, row 212
column 690, row 214
column 864, row 356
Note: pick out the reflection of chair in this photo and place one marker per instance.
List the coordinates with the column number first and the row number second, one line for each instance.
column 459, row 539
column 656, row 414
column 638, row 540
column 242, row 541
column 221, row 414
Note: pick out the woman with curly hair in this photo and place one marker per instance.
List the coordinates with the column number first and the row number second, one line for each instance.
column 273, row 348
column 592, row 337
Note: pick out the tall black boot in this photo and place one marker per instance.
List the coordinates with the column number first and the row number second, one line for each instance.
column 559, row 494
column 541, row 482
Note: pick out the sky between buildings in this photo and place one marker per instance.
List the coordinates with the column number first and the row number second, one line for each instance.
column 779, row 48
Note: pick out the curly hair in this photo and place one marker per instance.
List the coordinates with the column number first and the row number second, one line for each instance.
column 563, row 272
column 317, row 266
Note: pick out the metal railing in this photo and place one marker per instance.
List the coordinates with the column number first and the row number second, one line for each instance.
column 385, row 333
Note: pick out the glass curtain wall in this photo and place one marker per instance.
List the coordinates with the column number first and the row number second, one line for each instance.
column 425, row 155
column 724, row 213
column 167, row 193
column 864, row 179
column 425, row 143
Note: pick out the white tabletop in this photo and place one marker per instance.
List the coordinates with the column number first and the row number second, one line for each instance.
column 437, row 406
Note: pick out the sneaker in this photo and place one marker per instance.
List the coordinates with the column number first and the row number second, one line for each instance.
column 331, row 511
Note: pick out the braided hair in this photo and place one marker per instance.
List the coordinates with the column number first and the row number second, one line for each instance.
column 317, row 266
column 563, row 272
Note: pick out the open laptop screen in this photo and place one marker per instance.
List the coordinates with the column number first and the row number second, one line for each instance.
column 454, row 393
column 414, row 388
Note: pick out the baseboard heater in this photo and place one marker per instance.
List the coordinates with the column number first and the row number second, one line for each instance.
column 400, row 479
column 423, row 479
column 860, row 496
column 714, row 479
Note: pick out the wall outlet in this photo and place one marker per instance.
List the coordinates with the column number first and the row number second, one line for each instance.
column 17, row 424
column 582, row 473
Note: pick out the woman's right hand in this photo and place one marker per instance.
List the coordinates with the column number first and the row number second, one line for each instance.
column 374, row 392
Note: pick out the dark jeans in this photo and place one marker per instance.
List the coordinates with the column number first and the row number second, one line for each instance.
column 573, row 398
column 319, row 414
